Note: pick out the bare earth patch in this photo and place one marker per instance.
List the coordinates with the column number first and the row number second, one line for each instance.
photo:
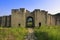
column 30, row 30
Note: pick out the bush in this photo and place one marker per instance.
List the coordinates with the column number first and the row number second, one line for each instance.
column 48, row 33
column 15, row 33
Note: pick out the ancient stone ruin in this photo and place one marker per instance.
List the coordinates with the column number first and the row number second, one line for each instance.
column 24, row 18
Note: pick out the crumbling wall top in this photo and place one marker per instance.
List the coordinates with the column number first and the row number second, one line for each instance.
column 27, row 11
column 23, row 10
column 44, row 11
column 36, row 10
column 15, row 10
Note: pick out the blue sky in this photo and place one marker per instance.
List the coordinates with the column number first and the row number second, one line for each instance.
column 52, row 6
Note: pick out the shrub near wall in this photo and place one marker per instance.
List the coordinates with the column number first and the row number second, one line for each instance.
column 48, row 33
column 12, row 33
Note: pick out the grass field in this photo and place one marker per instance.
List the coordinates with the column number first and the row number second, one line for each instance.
column 42, row 33
column 48, row 33
column 12, row 33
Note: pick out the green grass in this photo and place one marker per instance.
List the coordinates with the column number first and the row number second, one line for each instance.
column 47, row 33
column 42, row 33
column 15, row 33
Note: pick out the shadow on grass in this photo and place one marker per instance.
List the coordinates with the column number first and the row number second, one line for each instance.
column 41, row 35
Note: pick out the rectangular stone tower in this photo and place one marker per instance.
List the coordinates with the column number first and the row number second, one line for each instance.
column 18, row 17
column 40, row 17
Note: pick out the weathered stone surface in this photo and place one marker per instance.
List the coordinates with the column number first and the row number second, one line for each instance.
column 19, row 18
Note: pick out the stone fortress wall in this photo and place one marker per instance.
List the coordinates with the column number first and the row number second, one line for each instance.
column 19, row 17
